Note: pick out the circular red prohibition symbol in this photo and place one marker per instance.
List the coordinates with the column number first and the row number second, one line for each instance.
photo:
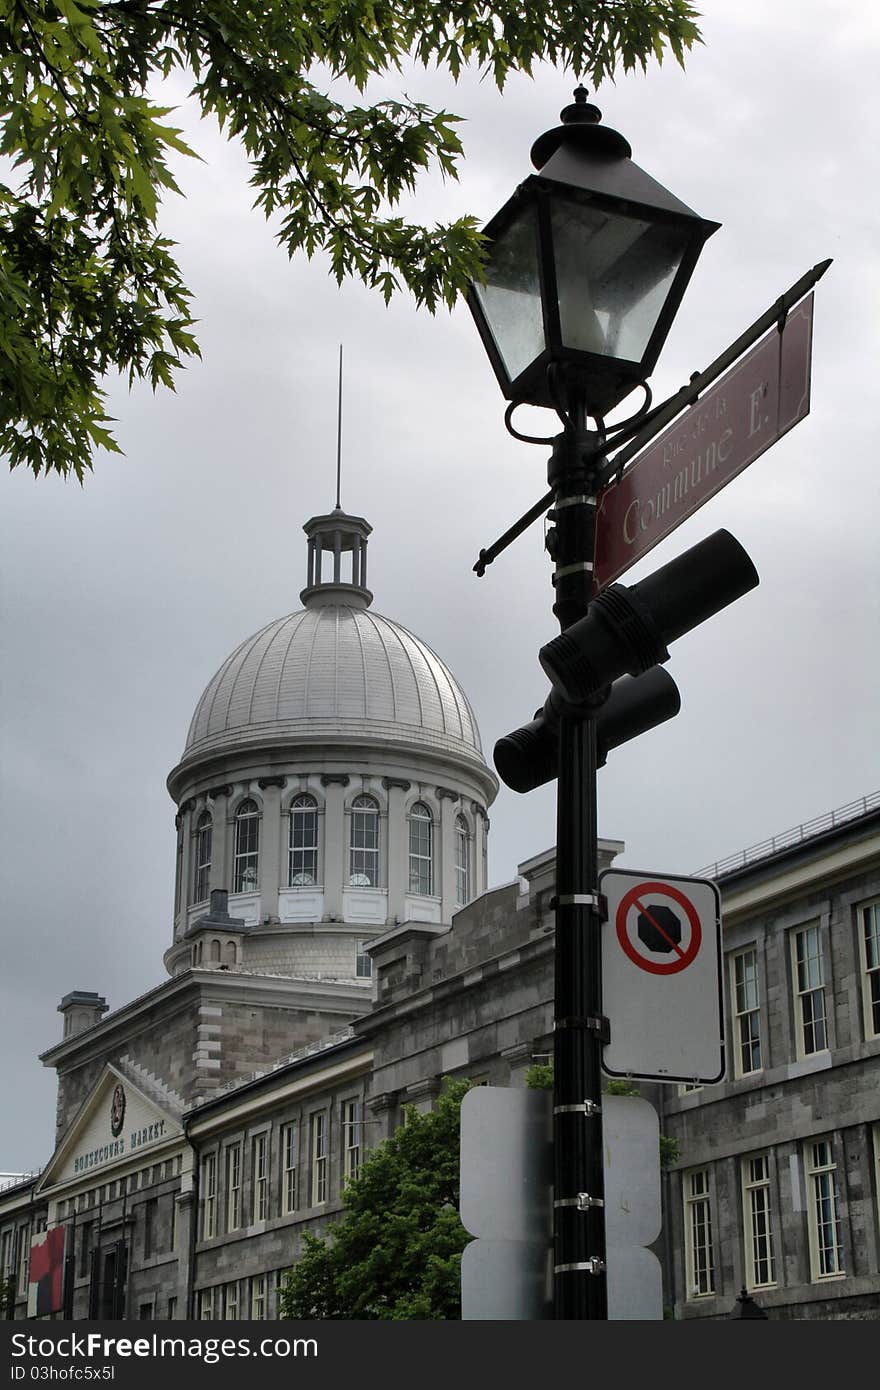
column 684, row 956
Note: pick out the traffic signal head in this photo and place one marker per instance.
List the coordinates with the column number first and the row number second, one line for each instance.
column 528, row 757
column 628, row 629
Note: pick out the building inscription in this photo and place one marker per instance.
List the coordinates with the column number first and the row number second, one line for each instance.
column 117, row 1148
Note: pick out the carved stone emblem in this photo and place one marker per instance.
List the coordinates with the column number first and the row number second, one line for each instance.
column 117, row 1111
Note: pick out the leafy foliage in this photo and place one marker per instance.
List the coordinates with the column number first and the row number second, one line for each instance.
column 397, row 1252
column 87, row 285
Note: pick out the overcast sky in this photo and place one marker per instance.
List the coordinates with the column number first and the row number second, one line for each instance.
column 121, row 599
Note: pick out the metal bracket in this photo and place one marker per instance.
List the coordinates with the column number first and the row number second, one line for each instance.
column 585, row 1107
column 600, row 1025
column 585, row 566
column 597, row 900
column 583, row 1201
column 591, row 1266
column 580, row 500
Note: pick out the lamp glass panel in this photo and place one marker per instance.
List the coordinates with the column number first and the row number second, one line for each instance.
column 511, row 296
column 613, row 274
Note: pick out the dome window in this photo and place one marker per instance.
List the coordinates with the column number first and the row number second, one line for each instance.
column 462, row 861
column 245, row 868
column 202, row 858
column 303, row 843
column 364, row 854
column 421, row 850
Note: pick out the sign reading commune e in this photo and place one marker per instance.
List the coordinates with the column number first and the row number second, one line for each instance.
column 754, row 404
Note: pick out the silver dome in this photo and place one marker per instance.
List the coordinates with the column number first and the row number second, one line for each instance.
column 334, row 672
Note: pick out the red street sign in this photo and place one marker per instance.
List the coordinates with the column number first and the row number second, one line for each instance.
column 753, row 405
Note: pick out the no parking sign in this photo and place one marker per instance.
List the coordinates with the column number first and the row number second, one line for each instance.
column 661, row 977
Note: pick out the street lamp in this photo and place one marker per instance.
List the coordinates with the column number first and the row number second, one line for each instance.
column 587, row 264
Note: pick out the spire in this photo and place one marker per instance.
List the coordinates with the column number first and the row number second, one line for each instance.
column 339, row 438
column 337, row 558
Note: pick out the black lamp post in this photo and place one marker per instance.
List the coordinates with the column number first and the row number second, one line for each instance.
column 588, row 263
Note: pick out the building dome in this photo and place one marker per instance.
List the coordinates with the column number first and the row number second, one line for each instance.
column 334, row 672
column 332, row 786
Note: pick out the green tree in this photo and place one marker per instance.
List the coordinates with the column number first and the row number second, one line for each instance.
column 397, row 1251
column 87, row 283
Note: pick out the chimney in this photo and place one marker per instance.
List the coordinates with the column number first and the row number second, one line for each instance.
column 82, row 1009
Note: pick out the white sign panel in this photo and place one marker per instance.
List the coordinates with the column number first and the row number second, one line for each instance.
column 507, row 1201
column 661, row 977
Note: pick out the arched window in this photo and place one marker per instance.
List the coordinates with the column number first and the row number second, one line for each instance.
column 462, row 861
column 202, row 858
column 215, row 951
column 421, row 849
column 246, row 857
column 229, row 952
column 303, row 842
column 363, row 869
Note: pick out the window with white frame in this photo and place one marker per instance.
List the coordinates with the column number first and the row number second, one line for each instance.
column 462, row 861
column 809, row 985
column 363, row 964
column 826, row 1247
column 206, row 1305
column 319, row 1158
column 363, row 866
column 246, row 849
column 24, row 1258
column 758, row 1222
column 230, row 1301
column 6, row 1261
column 258, row 1297
column 351, row 1139
column 208, row 1183
column 233, row 1187
column 260, row 1175
column 303, row 842
column 421, row 850
column 202, row 857
column 699, row 1254
column 746, row 1013
column 869, row 947
column 289, row 1157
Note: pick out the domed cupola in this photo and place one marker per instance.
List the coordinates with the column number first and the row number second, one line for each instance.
column 332, row 782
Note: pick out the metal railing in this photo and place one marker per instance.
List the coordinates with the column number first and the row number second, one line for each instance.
column 11, row 1180
column 788, row 838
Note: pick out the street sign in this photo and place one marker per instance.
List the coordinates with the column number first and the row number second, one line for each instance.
column 661, row 977
column 507, row 1196
column 762, row 396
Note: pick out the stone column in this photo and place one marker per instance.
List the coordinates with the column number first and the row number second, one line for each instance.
column 334, row 842
column 396, row 848
column 444, row 852
column 187, row 1214
column 272, row 859
column 186, row 870
column 219, row 800
column 481, row 849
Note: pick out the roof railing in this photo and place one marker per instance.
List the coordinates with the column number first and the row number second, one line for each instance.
column 797, row 835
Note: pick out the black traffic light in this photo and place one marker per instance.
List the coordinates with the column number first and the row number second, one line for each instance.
column 528, row 757
column 628, row 629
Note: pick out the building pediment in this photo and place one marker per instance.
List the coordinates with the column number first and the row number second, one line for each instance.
column 117, row 1122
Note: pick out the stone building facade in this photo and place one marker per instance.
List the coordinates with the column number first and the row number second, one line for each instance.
column 336, row 952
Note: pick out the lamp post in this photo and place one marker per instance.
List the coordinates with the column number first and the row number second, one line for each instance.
column 588, row 262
